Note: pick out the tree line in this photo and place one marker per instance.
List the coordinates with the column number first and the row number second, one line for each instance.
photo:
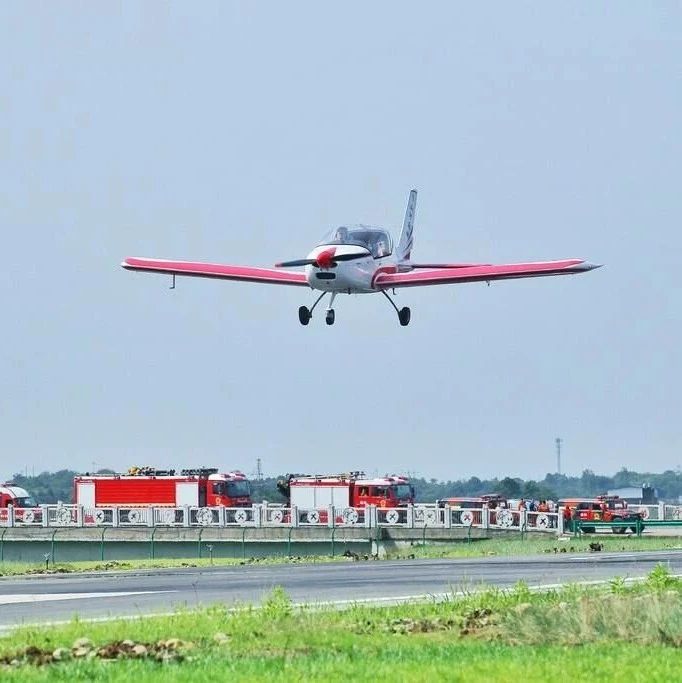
column 52, row 487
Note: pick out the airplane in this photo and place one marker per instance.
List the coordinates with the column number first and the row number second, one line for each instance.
column 361, row 259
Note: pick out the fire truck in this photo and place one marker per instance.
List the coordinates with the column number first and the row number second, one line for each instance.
column 345, row 492
column 143, row 487
column 494, row 501
column 25, row 507
column 601, row 509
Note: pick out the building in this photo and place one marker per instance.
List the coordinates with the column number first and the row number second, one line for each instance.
column 637, row 495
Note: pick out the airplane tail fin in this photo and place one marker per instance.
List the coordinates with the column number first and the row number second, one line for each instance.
column 405, row 243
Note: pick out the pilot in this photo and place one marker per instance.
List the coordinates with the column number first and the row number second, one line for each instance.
column 381, row 248
column 341, row 235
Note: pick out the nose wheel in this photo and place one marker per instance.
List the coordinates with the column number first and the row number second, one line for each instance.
column 329, row 318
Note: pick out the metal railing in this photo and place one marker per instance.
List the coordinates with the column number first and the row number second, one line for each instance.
column 419, row 516
column 660, row 511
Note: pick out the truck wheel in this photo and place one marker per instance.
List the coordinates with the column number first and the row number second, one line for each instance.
column 619, row 529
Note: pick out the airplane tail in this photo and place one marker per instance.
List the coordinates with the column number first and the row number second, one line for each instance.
column 405, row 242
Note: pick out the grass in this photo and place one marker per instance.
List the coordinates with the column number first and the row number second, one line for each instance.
column 506, row 547
column 10, row 568
column 621, row 631
column 536, row 545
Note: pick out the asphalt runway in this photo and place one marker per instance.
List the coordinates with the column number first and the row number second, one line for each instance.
column 60, row 597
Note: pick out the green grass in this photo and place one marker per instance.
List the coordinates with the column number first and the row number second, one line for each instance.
column 538, row 544
column 618, row 632
column 9, row 568
column 506, row 547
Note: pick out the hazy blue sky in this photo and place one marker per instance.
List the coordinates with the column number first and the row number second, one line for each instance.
column 241, row 132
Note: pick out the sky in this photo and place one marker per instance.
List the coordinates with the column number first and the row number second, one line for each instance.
column 240, row 133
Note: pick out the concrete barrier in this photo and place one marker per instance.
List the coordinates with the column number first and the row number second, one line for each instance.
column 61, row 544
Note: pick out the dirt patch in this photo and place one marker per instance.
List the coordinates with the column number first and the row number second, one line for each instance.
column 171, row 650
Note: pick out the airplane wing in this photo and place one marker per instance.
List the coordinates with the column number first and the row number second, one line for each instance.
column 453, row 274
column 216, row 270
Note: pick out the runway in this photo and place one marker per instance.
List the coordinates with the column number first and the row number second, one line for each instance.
column 60, row 597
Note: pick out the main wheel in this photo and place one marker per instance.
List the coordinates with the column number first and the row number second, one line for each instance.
column 330, row 317
column 304, row 315
column 404, row 316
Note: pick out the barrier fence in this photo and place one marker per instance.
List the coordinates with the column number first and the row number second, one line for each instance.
column 659, row 512
column 409, row 517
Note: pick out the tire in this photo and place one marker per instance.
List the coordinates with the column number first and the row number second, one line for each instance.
column 304, row 315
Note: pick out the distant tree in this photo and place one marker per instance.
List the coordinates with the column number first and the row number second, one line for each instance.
column 266, row 489
column 48, row 487
column 593, row 485
column 510, row 488
column 538, row 491
column 624, row 478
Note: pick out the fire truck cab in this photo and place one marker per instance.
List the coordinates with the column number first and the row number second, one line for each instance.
column 21, row 501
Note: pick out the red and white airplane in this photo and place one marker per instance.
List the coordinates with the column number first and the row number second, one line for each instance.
column 361, row 259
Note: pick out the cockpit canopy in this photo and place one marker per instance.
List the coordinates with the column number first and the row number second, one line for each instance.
column 376, row 240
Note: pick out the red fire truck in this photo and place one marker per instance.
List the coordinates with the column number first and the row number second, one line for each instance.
column 600, row 509
column 25, row 507
column 344, row 492
column 148, row 487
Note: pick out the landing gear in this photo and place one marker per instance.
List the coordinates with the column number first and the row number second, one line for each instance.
column 329, row 319
column 304, row 315
column 403, row 313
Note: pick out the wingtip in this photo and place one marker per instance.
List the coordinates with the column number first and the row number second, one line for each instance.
column 585, row 266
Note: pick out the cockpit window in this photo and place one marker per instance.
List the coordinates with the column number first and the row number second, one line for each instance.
column 376, row 241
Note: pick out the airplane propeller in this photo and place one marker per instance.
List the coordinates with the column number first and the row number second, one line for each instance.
column 325, row 259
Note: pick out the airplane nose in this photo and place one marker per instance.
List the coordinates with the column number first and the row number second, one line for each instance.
column 325, row 259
